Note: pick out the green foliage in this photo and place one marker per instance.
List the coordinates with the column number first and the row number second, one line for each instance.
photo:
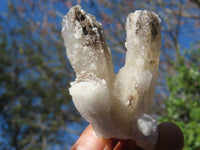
column 183, row 104
column 35, row 106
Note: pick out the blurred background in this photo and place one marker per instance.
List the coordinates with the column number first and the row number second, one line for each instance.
column 36, row 110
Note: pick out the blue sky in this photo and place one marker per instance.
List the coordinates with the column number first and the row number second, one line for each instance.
column 185, row 40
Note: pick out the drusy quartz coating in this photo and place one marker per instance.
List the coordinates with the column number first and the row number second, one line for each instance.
column 117, row 105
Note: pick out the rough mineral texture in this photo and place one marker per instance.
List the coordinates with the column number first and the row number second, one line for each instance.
column 117, row 105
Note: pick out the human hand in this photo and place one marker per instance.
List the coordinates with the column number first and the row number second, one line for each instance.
column 170, row 137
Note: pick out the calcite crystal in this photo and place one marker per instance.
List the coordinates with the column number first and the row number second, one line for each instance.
column 117, row 105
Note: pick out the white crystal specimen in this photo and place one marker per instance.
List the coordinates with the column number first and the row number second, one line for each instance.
column 117, row 105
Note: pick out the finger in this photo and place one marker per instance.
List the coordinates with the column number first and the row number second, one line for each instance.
column 89, row 141
column 170, row 137
column 126, row 145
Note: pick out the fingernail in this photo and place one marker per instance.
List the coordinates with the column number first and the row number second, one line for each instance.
column 106, row 148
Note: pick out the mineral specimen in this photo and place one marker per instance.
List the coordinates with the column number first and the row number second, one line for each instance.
column 117, row 105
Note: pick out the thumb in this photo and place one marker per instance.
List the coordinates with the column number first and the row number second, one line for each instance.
column 89, row 141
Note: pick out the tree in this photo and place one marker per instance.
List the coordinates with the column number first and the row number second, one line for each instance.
column 183, row 104
column 35, row 105
column 180, row 26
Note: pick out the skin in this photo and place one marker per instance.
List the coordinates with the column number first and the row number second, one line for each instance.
column 170, row 137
